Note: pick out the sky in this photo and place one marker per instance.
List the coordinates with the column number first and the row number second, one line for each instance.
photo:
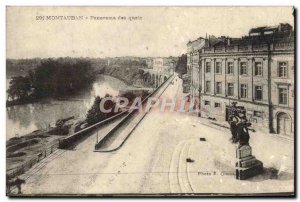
column 155, row 32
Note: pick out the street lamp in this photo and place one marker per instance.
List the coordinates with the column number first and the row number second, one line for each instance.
column 97, row 135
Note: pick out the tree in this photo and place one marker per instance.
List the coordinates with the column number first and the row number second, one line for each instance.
column 19, row 88
column 181, row 66
column 94, row 114
column 52, row 78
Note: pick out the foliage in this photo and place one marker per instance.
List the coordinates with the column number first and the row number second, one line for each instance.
column 52, row 78
column 95, row 114
column 19, row 88
column 56, row 78
column 181, row 66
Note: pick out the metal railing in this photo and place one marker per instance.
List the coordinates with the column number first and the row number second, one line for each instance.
column 70, row 140
column 21, row 169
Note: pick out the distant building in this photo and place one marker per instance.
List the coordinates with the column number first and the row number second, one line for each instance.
column 149, row 63
column 257, row 71
column 164, row 64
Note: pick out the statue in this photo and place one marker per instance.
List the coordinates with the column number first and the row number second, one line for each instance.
column 247, row 165
column 239, row 125
column 243, row 133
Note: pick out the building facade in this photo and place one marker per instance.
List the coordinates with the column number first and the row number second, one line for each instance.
column 256, row 71
column 193, row 56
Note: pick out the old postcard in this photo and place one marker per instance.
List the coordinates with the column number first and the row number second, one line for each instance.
column 152, row 101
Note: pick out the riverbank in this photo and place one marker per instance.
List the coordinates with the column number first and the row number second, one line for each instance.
column 24, row 151
column 20, row 150
column 127, row 72
column 31, row 127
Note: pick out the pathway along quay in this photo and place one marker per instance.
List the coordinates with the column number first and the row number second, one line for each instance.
column 153, row 160
column 85, row 140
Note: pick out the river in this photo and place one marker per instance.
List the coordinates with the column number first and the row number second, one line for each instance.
column 24, row 119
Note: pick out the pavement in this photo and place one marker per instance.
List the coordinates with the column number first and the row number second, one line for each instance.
column 124, row 131
column 153, row 160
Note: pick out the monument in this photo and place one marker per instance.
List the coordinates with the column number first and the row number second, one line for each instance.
column 247, row 165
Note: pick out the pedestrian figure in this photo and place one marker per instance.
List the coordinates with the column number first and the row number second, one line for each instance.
column 233, row 128
column 17, row 182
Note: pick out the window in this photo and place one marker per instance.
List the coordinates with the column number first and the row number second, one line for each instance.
column 218, row 87
column 243, row 90
column 230, row 68
column 206, row 102
column 217, row 104
column 207, row 86
column 257, row 114
column 243, row 68
column 258, row 92
column 230, row 89
column 282, row 69
column 283, row 96
column 218, row 68
column 258, row 70
column 207, row 69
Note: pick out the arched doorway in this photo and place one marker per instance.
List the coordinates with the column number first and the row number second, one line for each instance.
column 147, row 78
column 152, row 80
column 160, row 79
column 284, row 124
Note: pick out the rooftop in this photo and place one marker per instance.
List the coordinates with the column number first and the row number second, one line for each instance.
column 259, row 35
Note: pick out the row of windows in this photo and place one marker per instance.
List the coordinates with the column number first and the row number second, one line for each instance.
column 258, row 91
column 230, row 89
column 218, row 105
column 258, row 68
column 207, row 103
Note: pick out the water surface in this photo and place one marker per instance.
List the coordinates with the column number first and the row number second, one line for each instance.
column 24, row 119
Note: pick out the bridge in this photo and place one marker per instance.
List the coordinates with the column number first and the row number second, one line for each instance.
column 154, row 78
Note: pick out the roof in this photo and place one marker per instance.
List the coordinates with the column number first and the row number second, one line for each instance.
column 263, row 29
column 281, row 33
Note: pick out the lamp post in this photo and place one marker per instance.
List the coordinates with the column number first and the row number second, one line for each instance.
column 97, row 135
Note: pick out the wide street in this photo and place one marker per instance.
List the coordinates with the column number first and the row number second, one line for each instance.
column 153, row 160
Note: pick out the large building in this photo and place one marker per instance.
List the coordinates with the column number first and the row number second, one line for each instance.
column 193, row 56
column 257, row 71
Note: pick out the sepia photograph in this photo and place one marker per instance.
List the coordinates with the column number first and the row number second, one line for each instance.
column 168, row 101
